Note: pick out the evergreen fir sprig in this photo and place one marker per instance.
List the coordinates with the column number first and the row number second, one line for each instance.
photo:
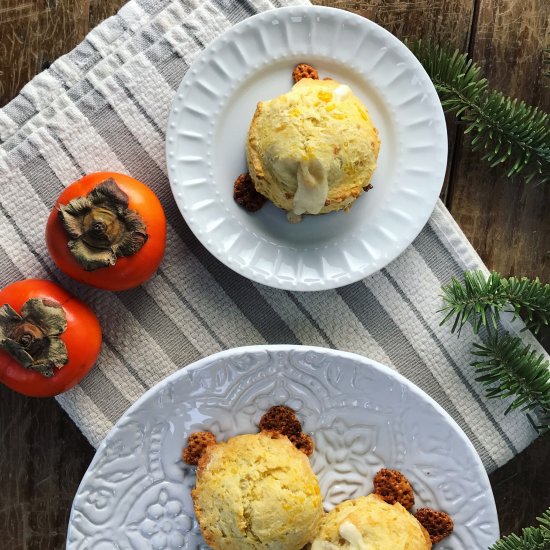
column 509, row 368
column 506, row 130
column 532, row 538
column 482, row 299
column 506, row 366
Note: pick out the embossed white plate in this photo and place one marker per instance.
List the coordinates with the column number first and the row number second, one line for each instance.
column 361, row 414
column 206, row 138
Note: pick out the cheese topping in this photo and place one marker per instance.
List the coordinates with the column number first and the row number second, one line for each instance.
column 341, row 92
column 312, row 189
column 349, row 533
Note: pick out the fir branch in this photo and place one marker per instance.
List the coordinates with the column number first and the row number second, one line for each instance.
column 532, row 538
column 509, row 368
column 506, row 130
column 506, row 366
column 482, row 300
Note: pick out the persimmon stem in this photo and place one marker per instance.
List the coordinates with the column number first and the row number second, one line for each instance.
column 102, row 227
column 33, row 338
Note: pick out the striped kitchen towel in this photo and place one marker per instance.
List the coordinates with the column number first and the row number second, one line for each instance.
column 105, row 106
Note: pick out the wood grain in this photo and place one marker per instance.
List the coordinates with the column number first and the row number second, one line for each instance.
column 444, row 21
column 33, row 33
column 507, row 221
column 447, row 21
column 521, row 487
column 42, row 459
column 43, row 455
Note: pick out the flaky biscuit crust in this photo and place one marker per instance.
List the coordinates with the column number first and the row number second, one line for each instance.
column 359, row 171
column 256, row 491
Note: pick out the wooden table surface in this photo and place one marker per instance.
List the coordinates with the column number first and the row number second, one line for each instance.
column 43, row 455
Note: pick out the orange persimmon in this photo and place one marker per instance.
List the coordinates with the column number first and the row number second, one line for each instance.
column 107, row 230
column 49, row 340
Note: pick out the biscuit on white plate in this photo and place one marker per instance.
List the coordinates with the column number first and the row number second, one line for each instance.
column 257, row 491
column 370, row 523
column 314, row 149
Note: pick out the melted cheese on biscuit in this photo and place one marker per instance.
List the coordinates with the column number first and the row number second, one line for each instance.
column 349, row 532
column 341, row 93
column 313, row 149
column 312, row 189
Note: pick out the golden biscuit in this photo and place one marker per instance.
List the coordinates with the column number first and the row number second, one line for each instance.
column 314, row 149
column 369, row 522
column 257, row 491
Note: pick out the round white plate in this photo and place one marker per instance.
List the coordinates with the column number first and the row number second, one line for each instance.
column 361, row 414
column 206, row 139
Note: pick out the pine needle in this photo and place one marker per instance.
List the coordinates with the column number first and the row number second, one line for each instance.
column 505, row 130
column 508, row 368
column 532, row 538
column 481, row 300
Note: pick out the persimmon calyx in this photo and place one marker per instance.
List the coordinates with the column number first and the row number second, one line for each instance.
column 32, row 338
column 102, row 227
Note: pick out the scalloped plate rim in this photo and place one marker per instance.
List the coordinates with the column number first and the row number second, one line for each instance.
column 346, row 277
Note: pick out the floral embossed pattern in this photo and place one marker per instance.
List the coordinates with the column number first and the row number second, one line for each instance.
column 137, row 491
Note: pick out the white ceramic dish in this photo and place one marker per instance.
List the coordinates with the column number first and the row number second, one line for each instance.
column 361, row 414
column 206, row 138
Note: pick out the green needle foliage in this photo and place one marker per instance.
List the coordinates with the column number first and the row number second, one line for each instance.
column 532, row 538
column 506, row 130
column 482, row 299
column 510, row 368
column 506, row 366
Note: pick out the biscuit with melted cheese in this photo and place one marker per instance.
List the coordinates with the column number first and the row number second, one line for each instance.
column 369, row 523
column 314, row 149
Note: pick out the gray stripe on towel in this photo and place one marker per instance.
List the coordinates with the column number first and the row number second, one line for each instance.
column 160, row 326
column 384, row 330
column 437, row 256
column 451, row 362
column 89, row 387
column 105, row 395
column 243, row 293
column 10, row 272
column 43, row 180
column 236, row 11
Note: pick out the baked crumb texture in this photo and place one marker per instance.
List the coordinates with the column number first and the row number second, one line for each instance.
column 282, row 420
column 303, row 442
column 392, row 486
column 257, row 492
column 196, row 445
column 245, row 194
column 438, row 524
column 303, row 70
column 321, row 127
column 381, row 525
